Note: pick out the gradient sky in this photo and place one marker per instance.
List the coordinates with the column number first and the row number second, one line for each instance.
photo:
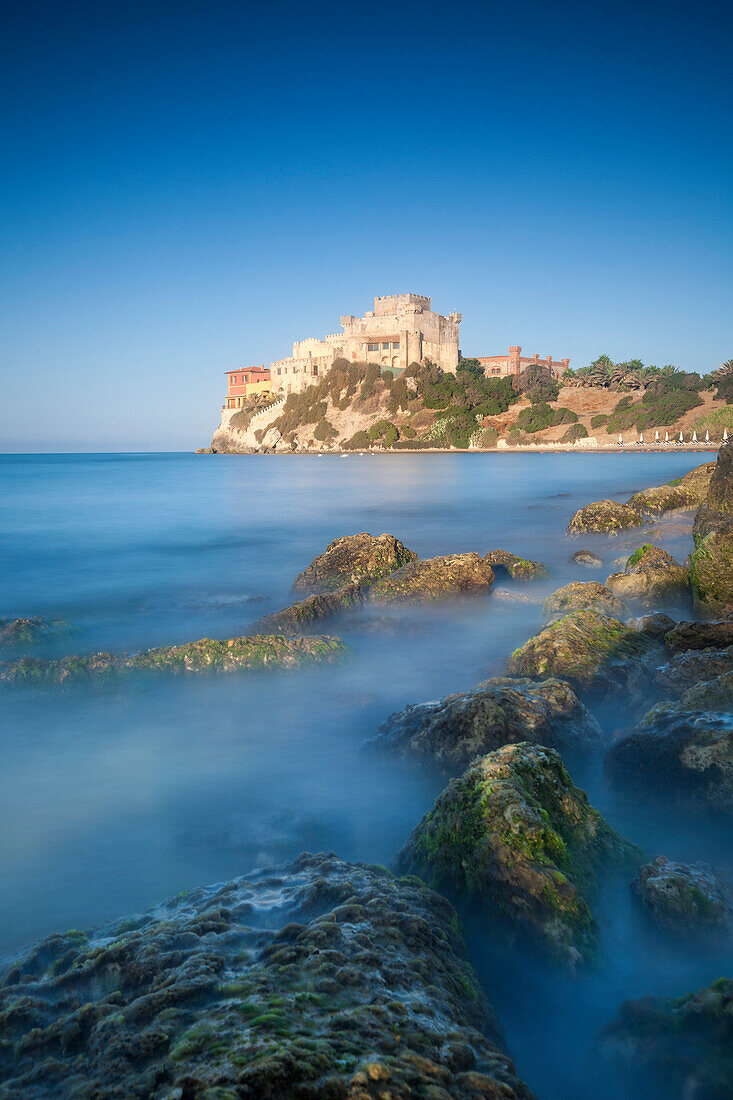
column 189, row 186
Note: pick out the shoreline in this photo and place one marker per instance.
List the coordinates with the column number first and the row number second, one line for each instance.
column 532, row 449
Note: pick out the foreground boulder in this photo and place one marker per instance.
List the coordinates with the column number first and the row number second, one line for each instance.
column 247, row 654
column 519, row 569
column 683, row 1042
column 684, row 898
column 651, row 576
column 711, row 563
column 431, row 579
column 604, row 517
column 450, row 733
column 579, row 595
column 596, row 653
column 516, row 836
column 364, row 558
column 321, row 980
column 699, row 635
column 681, row 753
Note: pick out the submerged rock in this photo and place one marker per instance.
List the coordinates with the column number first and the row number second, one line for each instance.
column 595, row 652
column 364, row 990
column 651, row 575
column 587, row 558
column 208, row 655
column 691, row 667
column 583, row 594
column 682, row 753
column 681, row 897
column 364, row 558
column 684, row 1042
column 515, row 835
column 604, row 517
column 311, row 610
column 664, row 498
column 519, row 569
column 450, row 733
column 656, row 624
column 699, row 635
column 21, row 633
column 430, row 579
column 711, row 563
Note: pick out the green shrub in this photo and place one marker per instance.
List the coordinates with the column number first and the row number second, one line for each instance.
column 360, row 441
column 538, row 417
column 599, row 420
column 575, row 431
column 489, row 438
column 385, row 432
column 324, row 431
column 408, row 432
column 373, row 373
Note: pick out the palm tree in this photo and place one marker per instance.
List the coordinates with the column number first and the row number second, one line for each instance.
column 669, row 370
column 633, row 379
column 635, row 365
column 725, row 370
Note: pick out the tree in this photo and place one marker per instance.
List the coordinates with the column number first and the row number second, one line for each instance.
column 725, row 370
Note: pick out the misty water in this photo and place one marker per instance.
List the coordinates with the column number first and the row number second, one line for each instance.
column 113, row 799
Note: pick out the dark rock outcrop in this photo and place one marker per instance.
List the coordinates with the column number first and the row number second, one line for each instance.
column 431, row 579
column 450, row 733
column 209, row 655
column 711, row 563
column 684, row 1042
column 579, row 595
column 519, row 569
column 319, row 980
column 595, row 653
column 515, row 835
column 692, row 666
column 651, row 576
column 699, row 635
column 683, row 898
column 604, row 517
column 362, row 558
column 656, row 624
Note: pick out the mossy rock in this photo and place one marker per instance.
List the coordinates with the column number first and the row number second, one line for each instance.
column 432, row 579
column 313, row 609
column 580, row 595
column 699, row 635
column 711, row 562
column 519, row 569
column 604, row 517
column 361, row 558
column 27, row 633
column 691, row 668
column 448, row 734
column 515, row 835
column 651, row 576
column 596, row 653
column 295, row 981
column 664, row 498
column 720, row 490
column 682, row 898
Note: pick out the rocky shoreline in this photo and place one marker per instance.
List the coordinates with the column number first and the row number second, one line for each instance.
column 344, row 981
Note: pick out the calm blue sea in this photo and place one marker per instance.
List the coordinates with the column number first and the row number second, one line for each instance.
column 112, row 800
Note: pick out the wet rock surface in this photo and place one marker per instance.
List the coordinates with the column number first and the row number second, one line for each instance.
column 312, row 609
column 664, row 498
column 431, row 579
column 26, row 633
column 693, row 666
column 651, row 576
column 579, row 595
column 516, row 836
column 596, row 653
column 683, row 1042
column 682, row 898
column 604, row 517
column 519, row 569
column 364, row 558
column 699, row 635
column 246, row 654
column 711, row 563
column 656, row 624
column 587, row 558
column 449, row 733
column 319, row 979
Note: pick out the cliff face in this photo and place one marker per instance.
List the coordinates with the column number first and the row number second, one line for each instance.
column 239, row 433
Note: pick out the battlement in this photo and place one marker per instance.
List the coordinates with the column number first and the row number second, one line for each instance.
column 401, row 303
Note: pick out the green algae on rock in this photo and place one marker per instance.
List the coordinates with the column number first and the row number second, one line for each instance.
column 431, row 579
column 683, row 1042
column 515, row 835
column 604, row 517
column 362, row 558
column 594, row 652
column 711, row 562
column 664, row 498
column 519, row 569
column 313, row 609
column 22, row 633
column 450, row 733
column 318, row 979
column 682, row 898
column 256, row 653
column 579, row 595
column 651, row 575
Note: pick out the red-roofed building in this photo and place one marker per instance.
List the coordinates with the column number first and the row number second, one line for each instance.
column 243, row 383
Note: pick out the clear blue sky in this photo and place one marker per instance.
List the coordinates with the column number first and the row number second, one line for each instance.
column 193, row 185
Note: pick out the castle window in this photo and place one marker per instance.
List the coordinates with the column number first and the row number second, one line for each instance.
column 373, row 347
column 396, row 344
column 385, row 347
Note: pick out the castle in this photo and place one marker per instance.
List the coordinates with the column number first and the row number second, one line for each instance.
column 401, row 329
column 515, row 362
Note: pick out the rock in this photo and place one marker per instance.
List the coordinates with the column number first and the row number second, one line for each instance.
column 652, row 575
column 715, row 695
column 594, row 652
column 720, row 490
column 359, row 558
column 582, row 594
column 587, row 558
column 431, row 579
column 698, row 480
column 292, row 620
column 693, row 666
column 656, row 624
column 685, row 754
column 318, row 979
column 699, row 635
column 680, row 897
column 514, row 834
column 450, row 733
column 519, row 569
column 711, row 564
column 256, row 653
column 664, row 498
column 22, row 633
column 684, row 1043
column 604, row 517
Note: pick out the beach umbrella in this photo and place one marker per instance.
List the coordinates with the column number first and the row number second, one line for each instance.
column 666, row 437
column 725, row 435
column 656, row 437
column 694, row 437
column 707, row 437
column 641, row 438
column 681, row 440
column 620, row 440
